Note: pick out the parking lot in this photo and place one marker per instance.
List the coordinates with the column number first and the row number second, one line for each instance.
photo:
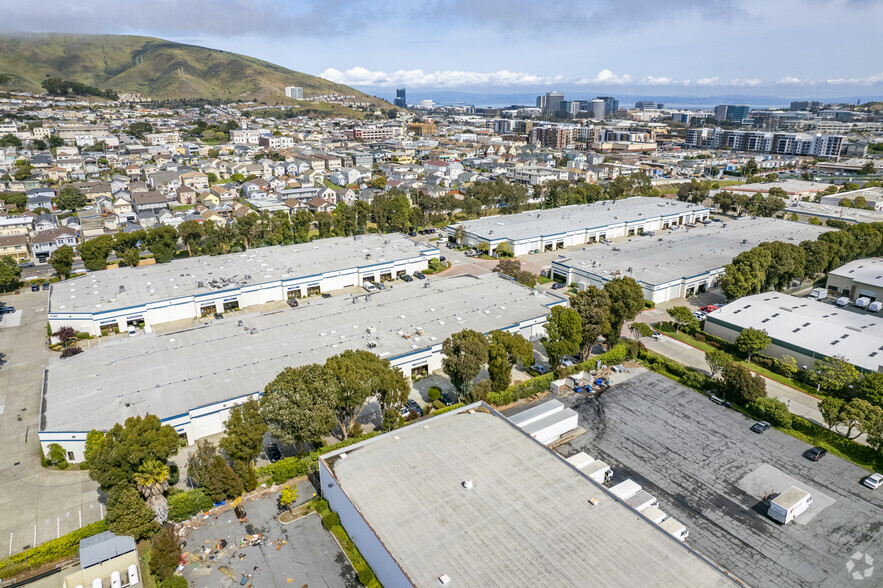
column 219, row 550
column 708, row 470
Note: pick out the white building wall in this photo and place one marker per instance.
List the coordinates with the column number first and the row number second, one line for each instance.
column 382, row 563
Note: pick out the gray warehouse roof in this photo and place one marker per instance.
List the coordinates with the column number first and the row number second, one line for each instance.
column 126, row 287
column 862, row 271
column 168, row 375
column 823, row 329
column 537, row 223
column 526, row 521
column 103, row 547
column 855, row 215
column 686, row 253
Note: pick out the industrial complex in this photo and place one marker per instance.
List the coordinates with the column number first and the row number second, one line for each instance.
column 191, row 378
column 803, row 328
column 468, row 499
column 862, row 278
column 543, row 230
column 680, row 263
column 102, row 302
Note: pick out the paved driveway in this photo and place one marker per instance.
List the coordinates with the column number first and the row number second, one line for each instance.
column 36, row 504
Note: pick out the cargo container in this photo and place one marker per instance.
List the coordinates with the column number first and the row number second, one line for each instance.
column 818, row 294
column 674, row 528
column 654, row 514
column 580, row 460
column 625, row 490
column 789, row 504
column 536, row 413
column 598, row 471
column 553, row 425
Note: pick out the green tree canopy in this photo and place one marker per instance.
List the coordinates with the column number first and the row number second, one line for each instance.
column 835, row 374
column 626, row 301
column 741, row 386
column 299, row 404
column 564, row 334
column 94, row 252
column 10, row 274
column 128, row 514
column 717, row 360
column 751, row 340
column 244, row 432
column 70, row 198
column 125, row 447
column 682, row 316
column 162, row 241
column 465, row 353
column 62, row 260
column 506, row 349
column 593, row 307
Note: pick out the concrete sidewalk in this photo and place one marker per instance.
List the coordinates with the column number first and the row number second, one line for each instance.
column 799, row 402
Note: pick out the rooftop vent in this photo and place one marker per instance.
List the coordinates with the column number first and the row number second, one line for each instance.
column 468, row 484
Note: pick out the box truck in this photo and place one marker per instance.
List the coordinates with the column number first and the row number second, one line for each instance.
column 818, row 294
column 598, row 471
column 674, row 528
column 625, row 490
column 655, row 515
column 642, row 500
column 789, row 504
column 536, row 413
column 863, row 302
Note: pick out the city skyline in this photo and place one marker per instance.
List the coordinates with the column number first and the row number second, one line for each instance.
column 692, row 48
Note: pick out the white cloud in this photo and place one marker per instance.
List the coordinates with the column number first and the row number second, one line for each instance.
column 713, row 81
column 750, row 82
column 605, row 77
column 867, row 81
column 791, row 80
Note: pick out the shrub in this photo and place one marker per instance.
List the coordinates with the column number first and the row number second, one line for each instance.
column 649, row 304
column 165, row 552
column 70, row 352
column 174, row 582
column 366, row 576
column 62, row 465
column 183, row 505
column 64, row 546
column 438, row 404
column 434, row 393
column 330, row 519
column 82, row 336
column 771, row 410
column 696, row 380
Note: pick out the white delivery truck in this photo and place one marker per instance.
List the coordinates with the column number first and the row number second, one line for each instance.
column 863, row 302
column 789, row 504
column 674, row 528
column 843, row 301
column 598, row 471
column 655, row 515
column 580, row 460
column 642, row 500
column 818, row 294
column 626, row 489
column 875, row 306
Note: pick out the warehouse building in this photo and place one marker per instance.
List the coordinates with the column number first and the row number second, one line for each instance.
column 569, row 226
column 862, row 278
column 191, row 378
column 805, row 329
column 795, row 189
column 823, row 212
column 110, row 300
column 468, row 499
column 680, row 263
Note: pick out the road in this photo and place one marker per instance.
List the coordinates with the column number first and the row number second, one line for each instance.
column 37, row 504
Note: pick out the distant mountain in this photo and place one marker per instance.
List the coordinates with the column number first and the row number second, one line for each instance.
column 153, row 67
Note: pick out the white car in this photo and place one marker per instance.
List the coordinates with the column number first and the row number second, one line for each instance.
column 873, row 481
column 132, row 331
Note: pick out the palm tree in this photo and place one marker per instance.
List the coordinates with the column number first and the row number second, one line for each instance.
column 152, row 479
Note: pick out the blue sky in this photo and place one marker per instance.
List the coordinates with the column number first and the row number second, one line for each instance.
column 812, row 48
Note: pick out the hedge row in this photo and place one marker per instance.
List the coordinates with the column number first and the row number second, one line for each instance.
column 541, row 383
column 185, row 504
column 331, row 521
column 65, row 546
column 294, row 467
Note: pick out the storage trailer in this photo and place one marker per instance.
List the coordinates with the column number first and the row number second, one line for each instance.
column 536, row 413
column 789, row 504
column 674, row 528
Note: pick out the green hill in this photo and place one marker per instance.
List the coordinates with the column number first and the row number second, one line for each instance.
column 153, row 67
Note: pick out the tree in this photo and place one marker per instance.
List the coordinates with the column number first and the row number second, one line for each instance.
column 859, row 415
column 772, row 410
column 508, row 267
column 55, row 141
column 139, row 129
column 56, row 453
column 221, row 481
column 62, row 261
column 125, row 447
column 10, row 274
column 288, row 497
column 162, row 241
column 191, row 233
column 751, row 340
column 504, row 250
column 835, row 374
column 199, row 461
column 626, row 301
column 93, row 442
column 870, row 388
column 504, row 351
column 464, row 355
column 165, row 553
column 299, row 404
column 741, row 386
column 564, row 334
column 39, row 144
column 682, row 317
column 152, row 480
column 787, row 364
column 526, row 278
column 867, row 169
column 717, row 360
column 830, row 409
column 640, row 330
column 70, row 198
column 65, row 335
column 10, row 140
column 593, row 307
column 860, row 202
column 750, row 168
column 244, row 432
column 94, row 252
column 128, row 514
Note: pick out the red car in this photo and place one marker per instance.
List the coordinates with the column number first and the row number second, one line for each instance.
column 709, row 308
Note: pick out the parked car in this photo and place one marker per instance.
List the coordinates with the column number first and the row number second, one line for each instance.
column 446, row 399
column 25, row 264
column 35, row 287
column 414, row 407
column 760, row 427
column 718, row 400
column 219, row 315
column 404, row 412
column 709, row 308
column 7, row 309
column 132, row 331
column 419, row 275
column 449, row 245
column 558, row 285
column 407, row 278
column 326, row 295
column 873, row 481
column 568, row 361
column 292, row 302
column 540, row 369
column 369, row 286
column 45, row 285
column 657, row 336
column 815, row 454
column 380, row 285
column 273, row 453
column 412, row 234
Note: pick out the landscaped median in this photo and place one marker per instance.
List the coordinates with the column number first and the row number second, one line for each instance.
column 331, row 522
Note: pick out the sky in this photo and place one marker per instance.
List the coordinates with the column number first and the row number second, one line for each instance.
column 785, row 48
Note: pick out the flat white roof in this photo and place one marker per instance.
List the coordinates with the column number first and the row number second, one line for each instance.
column 862, row 271
column 835, row 212
column 804, row 324
column 136, row 286
column 790, row 186
column 526, row 521
column 555, row 221
column 684, row 253
column 168, row 375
